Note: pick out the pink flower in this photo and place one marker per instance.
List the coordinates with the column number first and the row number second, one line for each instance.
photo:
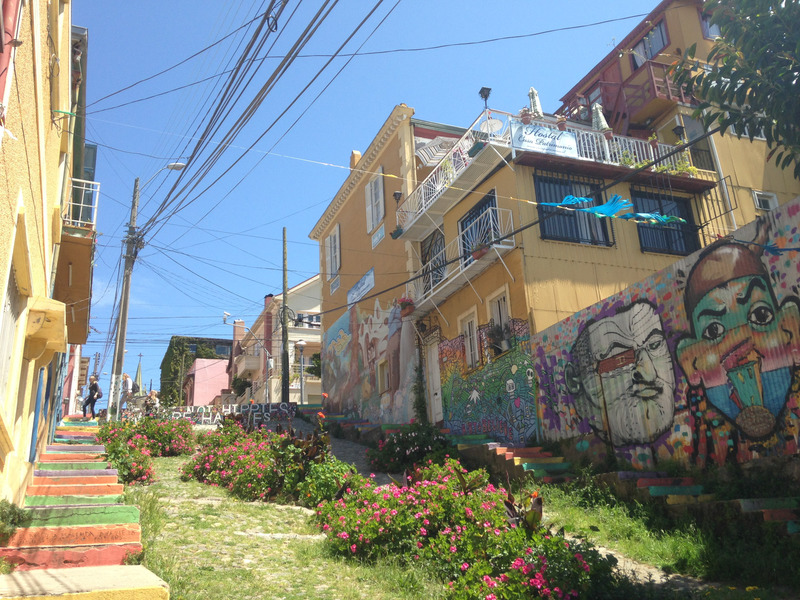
column 464, row 566
column 491, row 597
column 353, row 548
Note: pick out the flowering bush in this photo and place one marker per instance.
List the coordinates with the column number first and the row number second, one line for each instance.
column 265, row 465
column 133, row 463
column 455, row 525
column 414, row 444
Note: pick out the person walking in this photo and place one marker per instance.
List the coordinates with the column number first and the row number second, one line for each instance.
column 95, row 393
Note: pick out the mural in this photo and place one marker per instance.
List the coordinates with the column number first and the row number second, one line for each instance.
column 497, row 397
column 253, row 413
column 698, row 363
column 353, row 350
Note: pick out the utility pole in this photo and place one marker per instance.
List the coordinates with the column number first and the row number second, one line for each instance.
column 96, row 372
column 285, row 327
column 131, row 249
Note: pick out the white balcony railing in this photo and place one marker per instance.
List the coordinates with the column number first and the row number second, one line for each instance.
column 494, row 128
column 81, row 210
column 442, row 271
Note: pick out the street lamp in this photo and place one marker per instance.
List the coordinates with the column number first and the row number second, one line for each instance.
column 134, row 243
column 300, row 344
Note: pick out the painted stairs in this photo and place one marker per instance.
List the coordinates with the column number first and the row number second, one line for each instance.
column 81, row 533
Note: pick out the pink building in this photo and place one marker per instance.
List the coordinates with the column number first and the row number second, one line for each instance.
column 206, row 377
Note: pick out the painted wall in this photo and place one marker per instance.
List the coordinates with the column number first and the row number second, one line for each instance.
column 209, row 376
column 354, row 347
column 251, row 413
column 495, row 398
column 697, row 363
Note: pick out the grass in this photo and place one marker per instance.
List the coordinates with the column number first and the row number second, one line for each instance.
column 205, row 544
column 756, row 568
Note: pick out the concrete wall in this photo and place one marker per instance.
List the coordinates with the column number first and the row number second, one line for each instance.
column 209, row 376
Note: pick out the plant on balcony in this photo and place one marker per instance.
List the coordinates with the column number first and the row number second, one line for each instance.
column 525, row 115
column 561, row 122
column 653, row 139
column 499, row 337
column 397, row 232
column 406, row 306
column 239, row 385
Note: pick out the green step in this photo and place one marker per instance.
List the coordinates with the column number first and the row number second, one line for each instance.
column 793, row 527
column 550, row 468
column 755, row 504
column 70, row 466
column 675, row 490
column 64, row 516
column 64, row 500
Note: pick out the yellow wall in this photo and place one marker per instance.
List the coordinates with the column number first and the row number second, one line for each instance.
column 31, row 186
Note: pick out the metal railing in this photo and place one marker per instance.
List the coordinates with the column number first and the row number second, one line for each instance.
column 81, row 210
column 457, row 256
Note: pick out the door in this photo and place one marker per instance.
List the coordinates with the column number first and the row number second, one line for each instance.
column 434, row 380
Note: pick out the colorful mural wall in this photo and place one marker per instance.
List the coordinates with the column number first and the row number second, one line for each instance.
column 353, row 350
column 698, row 363
column 497, row 397
column 255, row 414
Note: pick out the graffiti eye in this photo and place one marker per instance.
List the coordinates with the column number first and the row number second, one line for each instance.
column 761, row 315
column 714, row 331
column 656, row 344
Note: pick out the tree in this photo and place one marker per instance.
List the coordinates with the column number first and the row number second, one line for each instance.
column 315, row 367
column 751, row 79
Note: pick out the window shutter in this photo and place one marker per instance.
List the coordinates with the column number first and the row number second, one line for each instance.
column 373, row 194
column 368, row 198
column 337, row 245
column 328, row 262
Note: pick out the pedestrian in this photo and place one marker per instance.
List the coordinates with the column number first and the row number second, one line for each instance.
column 95, row 393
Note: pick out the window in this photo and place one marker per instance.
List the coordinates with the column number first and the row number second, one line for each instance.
column 434, row 260
column 675, row 238
column 222, row 350
column 374, row 200
column 12, row 308
column 710, row 31
column 193, row 348
column 333, row 254
column 650, row 45
column 469, row 329
column 479, row 226
column 700, row 151
column 498, row 309
column 383, row 376
column 570, row 225
column 765, row 200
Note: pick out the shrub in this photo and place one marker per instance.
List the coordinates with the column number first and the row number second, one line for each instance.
column 322, row 481
column 414, row 444
column 11, row 517
column 455, row 526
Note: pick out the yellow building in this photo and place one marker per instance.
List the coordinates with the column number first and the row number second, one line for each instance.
column 487, row 257
column 47, row 231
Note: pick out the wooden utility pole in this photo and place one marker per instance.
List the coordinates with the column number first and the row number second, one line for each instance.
column 285, row 326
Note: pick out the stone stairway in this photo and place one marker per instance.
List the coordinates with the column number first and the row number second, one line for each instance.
column 81, row 533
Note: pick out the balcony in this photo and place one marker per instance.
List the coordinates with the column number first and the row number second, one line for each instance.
column 540, row 143
column 473, row 157
column 247, row 365
column 465, row 257
column 73, row 284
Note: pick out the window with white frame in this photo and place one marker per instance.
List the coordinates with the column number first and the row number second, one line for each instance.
column 710, row 31
column 765, row 200
column 469, row 329
column 333, row 254
column 374, row 201
column 12, row 308
column 498, row 309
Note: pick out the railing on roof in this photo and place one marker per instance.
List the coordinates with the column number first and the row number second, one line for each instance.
column 81, row 210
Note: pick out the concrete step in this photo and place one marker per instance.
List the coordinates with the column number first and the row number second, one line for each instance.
column 675, row 490
column 74, row 478
column 644, row 482
column 75, row 465
column 81, row 535
column 73, row 448
column 755, row 504
column 681, row 499
column 128, row 582
column 65, row 516
column 542, row 460
column 84, row 489
column 72, row 500
column 57, row 557
column 70, row 457
column 546, row 467
column 76, row 440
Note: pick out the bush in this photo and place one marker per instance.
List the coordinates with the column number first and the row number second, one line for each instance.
column 414, row 444
column 11, row 517
column 455, row 526
column 263, row 465
column 322, row 481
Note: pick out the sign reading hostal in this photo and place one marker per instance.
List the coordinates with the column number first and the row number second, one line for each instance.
column 537, row 138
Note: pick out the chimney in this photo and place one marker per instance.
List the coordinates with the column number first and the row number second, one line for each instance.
column 355, row 156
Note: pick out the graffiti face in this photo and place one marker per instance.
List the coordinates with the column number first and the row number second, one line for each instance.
column 743, row 346
column 622, row 376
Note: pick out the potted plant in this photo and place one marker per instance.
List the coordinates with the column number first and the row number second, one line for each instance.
column 498, row 336
column 526, row 116
column 608, row 133
column 561, row 122
column 406, row 306
column 397, row 232
column 479, row 250
column 653, row 139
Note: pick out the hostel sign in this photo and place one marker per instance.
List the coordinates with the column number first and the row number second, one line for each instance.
column 537, row 138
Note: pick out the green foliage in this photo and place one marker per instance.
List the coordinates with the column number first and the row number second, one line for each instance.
column 130, row 445
column 751, row 80
column 418, row 390
column 5, row 566
column 11, row 517
column 315, row 368
column 414, row 444
column 261, row 465
column 322, row 481
column 176, row 363
column 454, row 525
column 239, row 385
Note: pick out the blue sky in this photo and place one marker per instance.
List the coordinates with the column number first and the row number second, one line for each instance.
column 223, row 251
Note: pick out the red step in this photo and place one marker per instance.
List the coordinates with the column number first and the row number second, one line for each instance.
column 27, row 559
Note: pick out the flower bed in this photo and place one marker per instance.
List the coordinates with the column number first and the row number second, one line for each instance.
column 414, row 444
column 457, row 526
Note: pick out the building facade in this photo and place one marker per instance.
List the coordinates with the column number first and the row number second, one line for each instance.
column 47, row 233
